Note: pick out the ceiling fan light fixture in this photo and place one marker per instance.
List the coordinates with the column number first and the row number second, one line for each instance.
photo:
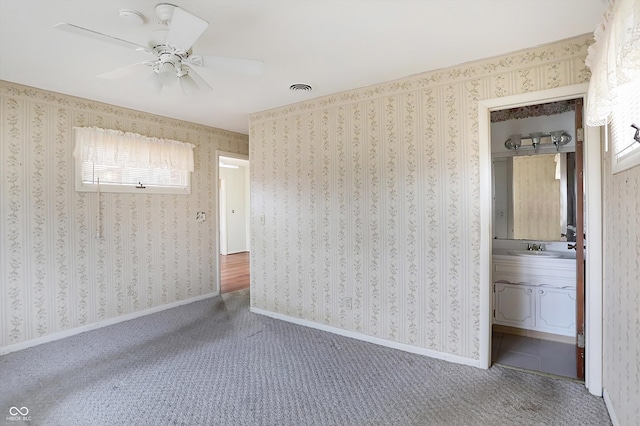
column 166, row 72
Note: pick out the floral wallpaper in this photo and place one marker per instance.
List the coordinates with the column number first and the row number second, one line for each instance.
column 622, row 292
column 54, row 274
column 365, row 204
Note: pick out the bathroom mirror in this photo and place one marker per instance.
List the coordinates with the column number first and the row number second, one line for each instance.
column 534, row 197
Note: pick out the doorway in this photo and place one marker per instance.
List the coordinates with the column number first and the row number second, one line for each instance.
column 537, row 289
column 233, row 222
column 593, row 215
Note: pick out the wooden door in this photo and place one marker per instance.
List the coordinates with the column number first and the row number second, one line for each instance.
column 580, row 240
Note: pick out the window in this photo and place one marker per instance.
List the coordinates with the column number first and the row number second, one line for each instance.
column 625, row 151
column 128, row 162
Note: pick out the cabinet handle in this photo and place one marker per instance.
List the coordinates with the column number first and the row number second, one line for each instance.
column 540, row 291
column 529, row 291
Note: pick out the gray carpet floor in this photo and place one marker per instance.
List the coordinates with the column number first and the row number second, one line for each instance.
column 214, row 363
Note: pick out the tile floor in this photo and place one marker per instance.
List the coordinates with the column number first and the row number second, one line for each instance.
column 534, row 354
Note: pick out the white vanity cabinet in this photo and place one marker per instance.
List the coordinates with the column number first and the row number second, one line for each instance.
column 556, row 310
column 535, row 294
column 514, row 305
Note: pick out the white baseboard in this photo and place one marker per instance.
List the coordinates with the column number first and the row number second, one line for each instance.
column 612, row 413
column 376, row 340
column 99, row 324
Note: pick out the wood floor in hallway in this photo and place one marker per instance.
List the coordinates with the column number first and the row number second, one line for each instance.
column 234, row 272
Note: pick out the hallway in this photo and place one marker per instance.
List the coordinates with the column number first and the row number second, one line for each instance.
column 234, row 272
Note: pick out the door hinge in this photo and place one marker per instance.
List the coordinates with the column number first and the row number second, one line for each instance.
column 494, row 313
column 581, row 340
column 580, row 134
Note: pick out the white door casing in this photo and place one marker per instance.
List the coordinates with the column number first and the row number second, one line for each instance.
column 593, row 226
column 222, row 184
column 217, row 209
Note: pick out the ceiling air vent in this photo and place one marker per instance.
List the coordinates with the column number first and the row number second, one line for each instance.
column 300, row 87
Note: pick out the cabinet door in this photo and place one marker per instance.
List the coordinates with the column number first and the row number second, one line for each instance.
column 556, row 310
column 514, row 305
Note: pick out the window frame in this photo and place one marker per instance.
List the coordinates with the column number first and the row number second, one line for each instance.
column 621, row 162
column 139, row 165
column 81, row 186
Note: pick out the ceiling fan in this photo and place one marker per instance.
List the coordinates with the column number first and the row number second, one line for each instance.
column 171, row 48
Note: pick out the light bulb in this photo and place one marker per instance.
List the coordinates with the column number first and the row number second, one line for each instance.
column 167, row 73
column 535, row 140
column 513, row 142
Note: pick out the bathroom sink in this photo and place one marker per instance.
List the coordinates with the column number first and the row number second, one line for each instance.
column 534, row 253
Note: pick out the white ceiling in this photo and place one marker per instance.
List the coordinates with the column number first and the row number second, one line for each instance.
column 332, row 45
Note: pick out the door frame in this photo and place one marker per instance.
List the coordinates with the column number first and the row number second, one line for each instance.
column 216, row 197
column 593, row 223
column 222, row 209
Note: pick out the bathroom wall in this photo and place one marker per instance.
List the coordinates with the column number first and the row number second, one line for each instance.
column 54, row 274
column 502, row 130
column 365, row 204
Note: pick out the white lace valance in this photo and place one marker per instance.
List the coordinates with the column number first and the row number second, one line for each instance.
column 109, row 147
column 614, row 59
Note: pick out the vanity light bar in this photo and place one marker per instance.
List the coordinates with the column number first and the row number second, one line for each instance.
column 558, row 138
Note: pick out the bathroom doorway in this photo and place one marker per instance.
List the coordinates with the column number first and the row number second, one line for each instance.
column 490, row 270
column 537, row 218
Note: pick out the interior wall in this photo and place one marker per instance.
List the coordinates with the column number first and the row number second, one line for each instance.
column 372, row 197
column 54, row 275
column 622, row 292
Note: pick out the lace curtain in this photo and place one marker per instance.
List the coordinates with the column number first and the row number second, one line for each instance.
column 109, row 147
column 614, row 59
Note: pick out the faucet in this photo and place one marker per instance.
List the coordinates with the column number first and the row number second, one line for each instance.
column 534, row 246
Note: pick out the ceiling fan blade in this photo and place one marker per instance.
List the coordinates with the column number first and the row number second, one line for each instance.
column 185, row 29
column 126, row 71
column 74, row 29
column 203, row 86
column 252, row 67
